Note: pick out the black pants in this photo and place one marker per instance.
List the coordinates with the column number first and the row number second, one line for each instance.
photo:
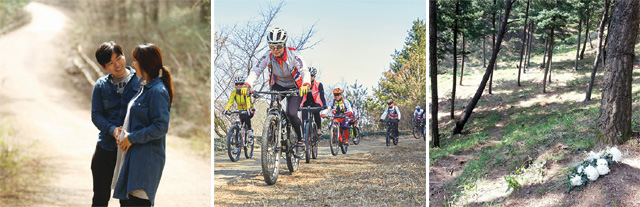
column 316, row 113
column 102, row 165
column 246, row 119
column 293, row 104
column 135, row 201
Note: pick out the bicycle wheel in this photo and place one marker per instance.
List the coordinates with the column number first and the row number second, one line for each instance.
column 292, row 161
column 395, row 133
column 232, row 143
column 307, row 142
column 314, row 141
column 333, row 143
column 416, row 132
column 356, row 135
column 248, row 149
column 388, row 136
column 270, row 150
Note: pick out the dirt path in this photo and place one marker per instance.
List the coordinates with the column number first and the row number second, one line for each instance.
column 241, row 182
column 55, row 119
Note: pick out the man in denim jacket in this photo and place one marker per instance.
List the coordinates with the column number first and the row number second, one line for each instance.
column 109, row 100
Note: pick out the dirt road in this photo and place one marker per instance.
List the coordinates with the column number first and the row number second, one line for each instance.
column 370, row 173
column 53, row 118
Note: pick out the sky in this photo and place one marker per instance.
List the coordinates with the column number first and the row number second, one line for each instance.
column 357, row 37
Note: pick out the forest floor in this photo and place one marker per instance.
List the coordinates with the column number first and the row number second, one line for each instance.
column 529, row 137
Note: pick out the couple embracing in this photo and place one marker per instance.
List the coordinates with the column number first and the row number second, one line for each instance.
column 130, row 106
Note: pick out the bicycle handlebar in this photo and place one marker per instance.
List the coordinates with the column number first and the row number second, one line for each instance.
column 285, row 93
column 310, row 108
column 236, row 112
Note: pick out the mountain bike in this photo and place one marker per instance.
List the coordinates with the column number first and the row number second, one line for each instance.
column 337, row 138
column 354, row 132
column 391, row 133
column 276, row 137
column 237, row 138
column 310, row 134
column 418, row 128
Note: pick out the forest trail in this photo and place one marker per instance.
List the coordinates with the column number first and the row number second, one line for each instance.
column 54, row 119
column 236, row 180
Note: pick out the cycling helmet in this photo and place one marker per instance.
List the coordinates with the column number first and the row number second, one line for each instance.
column 417, row 107
column 277, row 36
column 337, row 91
column 390, row 101
column 238, row 80
column 313, row 71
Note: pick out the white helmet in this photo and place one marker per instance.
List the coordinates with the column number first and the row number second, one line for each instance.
column 313, row 71
column 239, row 80
column 277, row 36
column 417, row 107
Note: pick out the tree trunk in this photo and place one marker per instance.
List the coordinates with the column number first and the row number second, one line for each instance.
column 204, row 11
column 547, row 70
column 455, row 60
column 143, row 7
column 529, row 45
column 578, row 45
column 604, row 47
column 493, row 45
column 154, row 11
column 433, row 72
column 524, row 40
column 586, row 36
column 544, row 55
column 462, row 62
column 605, row 14
column 484, row 48
column 494, row 55
column 614, row 122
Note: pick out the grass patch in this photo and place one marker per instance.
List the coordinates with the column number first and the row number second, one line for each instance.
column 18, row 171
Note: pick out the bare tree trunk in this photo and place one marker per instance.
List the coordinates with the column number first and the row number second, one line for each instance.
column 547, row 69
column 484, row 48
column 494, row 55
column 143, row 7
column 154, row 11
column 493, row 44
column 462, row 63
column 524, row 40
column 433, row 73
column 544, row 55
column 529, row 45
column 614, row 122
column 605, row 14
column 455, row 60
column 578, row 45
column 604, row 47
column 586, row 36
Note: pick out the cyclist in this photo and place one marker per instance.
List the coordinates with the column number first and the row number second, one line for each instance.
column 393, row 112
column 353, row 122
column 243, row 102
column 314, row 99
column 418, row 114
column 286, row 71
column 340, row 106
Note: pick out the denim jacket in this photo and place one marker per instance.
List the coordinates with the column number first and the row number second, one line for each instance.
column 108, row 107
column 149, row 123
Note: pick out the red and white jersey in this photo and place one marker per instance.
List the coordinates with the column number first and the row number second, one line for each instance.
column 393, row 112
column 288, row 71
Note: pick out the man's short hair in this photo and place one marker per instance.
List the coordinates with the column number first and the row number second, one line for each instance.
column 106, row 49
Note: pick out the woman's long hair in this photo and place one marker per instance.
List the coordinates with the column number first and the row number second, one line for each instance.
column 149, row 59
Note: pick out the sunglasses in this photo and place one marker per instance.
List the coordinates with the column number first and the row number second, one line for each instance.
column 239, row 84
column 336, row 94
column 275, row 47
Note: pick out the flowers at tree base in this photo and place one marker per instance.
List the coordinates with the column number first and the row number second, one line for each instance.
column 593, row 167
column 576, row 180
column 592, row 173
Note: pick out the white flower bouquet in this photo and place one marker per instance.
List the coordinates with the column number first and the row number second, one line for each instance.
column 591, row 168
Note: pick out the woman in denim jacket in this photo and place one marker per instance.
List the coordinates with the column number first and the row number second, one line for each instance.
column 144, row 141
